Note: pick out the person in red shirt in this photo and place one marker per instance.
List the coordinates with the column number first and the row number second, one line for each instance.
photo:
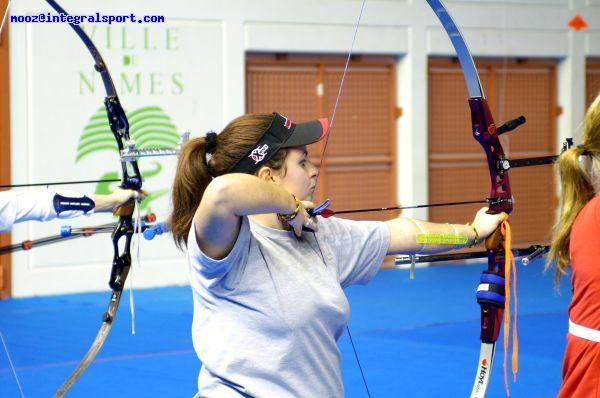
column 576, row 244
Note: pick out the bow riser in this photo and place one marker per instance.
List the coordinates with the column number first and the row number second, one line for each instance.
column 119, row 125
column 121, row 262
column 500, row 199
column 484, row 131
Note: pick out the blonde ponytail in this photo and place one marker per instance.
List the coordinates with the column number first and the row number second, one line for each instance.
column 579, row 170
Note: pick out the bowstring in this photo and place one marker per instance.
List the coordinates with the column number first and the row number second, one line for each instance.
column 137, row 232
column 510, row 266
column 504, row 77
column 342, row 81
column 331, row 124
column 12, row 366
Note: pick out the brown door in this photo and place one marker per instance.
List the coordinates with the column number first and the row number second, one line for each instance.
column 457, row 167
column 592, row 80
column 359, row 167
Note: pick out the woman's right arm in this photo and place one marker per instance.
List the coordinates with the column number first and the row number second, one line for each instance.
column 226, row 200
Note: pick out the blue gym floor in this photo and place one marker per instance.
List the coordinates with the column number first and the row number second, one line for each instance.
column 416, row 338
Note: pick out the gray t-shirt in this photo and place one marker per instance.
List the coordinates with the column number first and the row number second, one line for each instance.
column 267, row 316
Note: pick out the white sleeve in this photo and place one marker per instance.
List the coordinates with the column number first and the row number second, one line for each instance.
column 27, row 205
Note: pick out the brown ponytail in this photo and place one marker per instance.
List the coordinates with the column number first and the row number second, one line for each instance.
column 191, row 179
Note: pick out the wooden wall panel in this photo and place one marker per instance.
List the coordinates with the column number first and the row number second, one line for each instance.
column 360, row 158
column 359, row 168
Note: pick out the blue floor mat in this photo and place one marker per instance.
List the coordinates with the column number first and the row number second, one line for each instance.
column 416, row 338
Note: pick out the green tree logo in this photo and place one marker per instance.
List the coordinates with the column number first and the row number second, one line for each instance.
column 150, row 127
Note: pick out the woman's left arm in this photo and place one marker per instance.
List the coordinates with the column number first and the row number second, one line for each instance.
column 410, row 236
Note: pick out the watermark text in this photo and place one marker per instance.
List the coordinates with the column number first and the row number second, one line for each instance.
column 79, row 19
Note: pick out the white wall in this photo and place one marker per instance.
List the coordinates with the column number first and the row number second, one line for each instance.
column 202, row 46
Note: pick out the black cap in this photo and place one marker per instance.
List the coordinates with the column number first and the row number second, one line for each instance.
column 281, row 133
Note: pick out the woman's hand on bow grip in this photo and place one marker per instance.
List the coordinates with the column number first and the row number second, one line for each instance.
column 486, row 223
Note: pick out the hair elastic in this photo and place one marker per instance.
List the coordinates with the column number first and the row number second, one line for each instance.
column 210, row 144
